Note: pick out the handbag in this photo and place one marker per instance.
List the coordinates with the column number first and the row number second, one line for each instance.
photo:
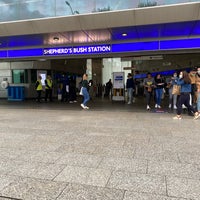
column 81, row 91
column 176, row 89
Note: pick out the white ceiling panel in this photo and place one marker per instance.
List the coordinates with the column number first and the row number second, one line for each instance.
column 142, row 16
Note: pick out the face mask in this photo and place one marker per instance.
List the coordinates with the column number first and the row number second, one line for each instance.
column 198, row 72
column 180, row 76
column 175, row 75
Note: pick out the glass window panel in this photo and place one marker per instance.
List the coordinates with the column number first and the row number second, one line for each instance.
column 33, row 75
column 19, row 76
column 30, row 9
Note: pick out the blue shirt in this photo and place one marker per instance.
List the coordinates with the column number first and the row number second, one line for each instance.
column 185, row 87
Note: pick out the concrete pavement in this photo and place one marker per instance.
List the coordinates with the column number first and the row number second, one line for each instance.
column 110, row 152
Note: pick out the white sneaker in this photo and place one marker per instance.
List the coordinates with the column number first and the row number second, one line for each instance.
column 175, row 107
column 148, row 107
column 129, row 103
column 156, row 106
column 159, row 106
column 82, row 106
column 184, row 107
column 87, row 108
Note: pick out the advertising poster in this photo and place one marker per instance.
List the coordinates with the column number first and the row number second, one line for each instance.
column 118, row 86
column 43, row 74
column 118, row 80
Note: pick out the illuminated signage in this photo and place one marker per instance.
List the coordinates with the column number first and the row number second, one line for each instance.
column 77, row 50
column 192, row 43
column 58, row 51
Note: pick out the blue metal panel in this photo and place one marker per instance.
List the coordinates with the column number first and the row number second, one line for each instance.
column 3, row 54
column 25, row 53
column 196, row 28
column 180, row 44
column 139, row 46
column 176, row 29
column 25, row 40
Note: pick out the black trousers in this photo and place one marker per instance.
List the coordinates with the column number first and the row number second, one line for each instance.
column 148, row 97
column 48, row 94
column 39, row 92
column 184, row 99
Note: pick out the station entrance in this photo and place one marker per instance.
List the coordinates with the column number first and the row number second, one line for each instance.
column 99, row 69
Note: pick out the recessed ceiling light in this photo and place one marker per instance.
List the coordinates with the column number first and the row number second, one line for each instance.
column 124, row 34
column 42, row 59
column 56, row 38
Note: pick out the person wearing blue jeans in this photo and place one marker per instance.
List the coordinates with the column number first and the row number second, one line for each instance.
column 159, row 92
column 186, row 88
column 130, row 88
column 159, row 83
column 86, row 96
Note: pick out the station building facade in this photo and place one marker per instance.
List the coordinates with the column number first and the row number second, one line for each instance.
column 99, row 37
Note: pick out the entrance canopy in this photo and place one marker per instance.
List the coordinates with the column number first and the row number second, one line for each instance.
column 161, row 28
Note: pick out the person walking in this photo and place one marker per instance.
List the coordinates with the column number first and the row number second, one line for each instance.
column 38, row 87
column 149, row 84
column 48, row 88
column 186, row 88
column 130, row 86
column 85, row 93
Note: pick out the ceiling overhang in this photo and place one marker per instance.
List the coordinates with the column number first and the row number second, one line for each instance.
column 105, row 20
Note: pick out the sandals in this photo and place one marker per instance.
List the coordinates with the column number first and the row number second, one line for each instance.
column 196, row 116
column 177, row 117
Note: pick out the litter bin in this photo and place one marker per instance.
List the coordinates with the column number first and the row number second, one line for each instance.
column 16, row 93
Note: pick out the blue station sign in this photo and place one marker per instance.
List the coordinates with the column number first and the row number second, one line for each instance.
column 77, row 50
column 178, row 44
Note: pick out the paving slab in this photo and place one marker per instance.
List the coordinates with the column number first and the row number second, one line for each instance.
column 32, row 189
column 146, row 196
column 138, row 182
column 84, row 175
column 190, row 171
column 82, row 160
column 78, row 192
column 183, row 188
column 125, row 164
column 37, row 170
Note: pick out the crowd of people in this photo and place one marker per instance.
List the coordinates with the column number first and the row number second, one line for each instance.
column 183, row 90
